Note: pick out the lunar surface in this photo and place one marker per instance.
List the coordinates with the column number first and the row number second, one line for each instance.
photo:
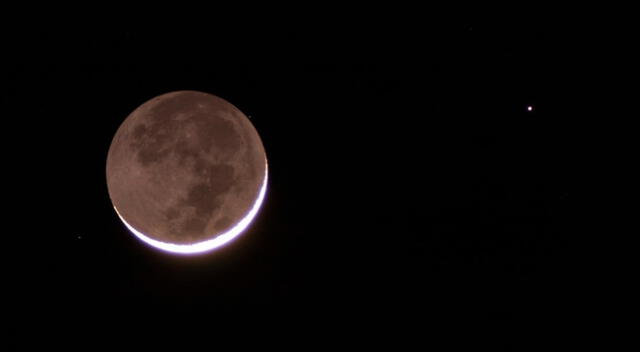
column 186, row 172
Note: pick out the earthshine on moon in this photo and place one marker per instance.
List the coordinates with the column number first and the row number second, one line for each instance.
column 186, row 172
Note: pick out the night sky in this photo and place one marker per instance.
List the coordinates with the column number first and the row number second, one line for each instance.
column 410, row 187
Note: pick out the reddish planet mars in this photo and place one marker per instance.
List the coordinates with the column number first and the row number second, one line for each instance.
column 186, row 172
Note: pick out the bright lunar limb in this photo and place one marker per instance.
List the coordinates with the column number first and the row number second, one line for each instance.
column 207, row 245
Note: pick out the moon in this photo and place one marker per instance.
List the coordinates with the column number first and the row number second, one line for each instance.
column 186, row 172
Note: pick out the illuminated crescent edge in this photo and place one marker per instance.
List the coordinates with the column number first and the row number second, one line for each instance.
column 213, row 243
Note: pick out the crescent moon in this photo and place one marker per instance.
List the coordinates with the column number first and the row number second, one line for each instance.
column 207, row 245
column 187, row 172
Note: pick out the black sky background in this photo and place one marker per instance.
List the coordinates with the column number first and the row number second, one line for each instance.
column 409, row 186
